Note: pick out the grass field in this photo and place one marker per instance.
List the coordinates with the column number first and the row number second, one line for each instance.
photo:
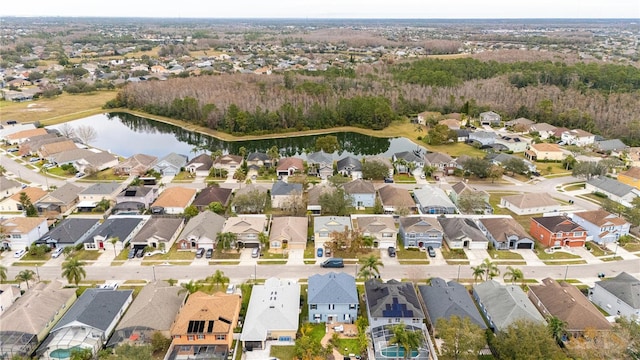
column 56, row 110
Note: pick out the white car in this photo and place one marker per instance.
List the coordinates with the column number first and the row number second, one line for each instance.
column 55, row 253
column 19, row 253
column 231, row 289
column 112, row 286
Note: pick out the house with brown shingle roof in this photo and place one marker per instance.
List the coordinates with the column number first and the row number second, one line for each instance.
column 395, row 199
column 313, row 197
column 630, row 177
column 544, row 151
column 54, row 148
column 362, row 191
column 247, row 228
column 602, row 226
column 506, row 233
column 158, row 233
column 289, row 166
column 530, row 203
column 557, row 231
column 212, row 194
column 228, row 162
column 566, row 302
column 21, row 232
column 173, row 200
column 205, row 325
column 60, row 200
column 288, row 232
column 12, row 203
column 137, row 164
column 22, row 136
column 200, row 165
column 381, row 227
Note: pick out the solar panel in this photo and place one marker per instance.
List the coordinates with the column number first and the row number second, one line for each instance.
column 396, row 309
column 191, row 326
column 210, row 328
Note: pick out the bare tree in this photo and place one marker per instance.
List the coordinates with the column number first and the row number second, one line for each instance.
column 86, row 134
column 67, row 130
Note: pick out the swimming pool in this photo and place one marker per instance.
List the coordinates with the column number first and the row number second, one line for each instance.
column 396, row 352
column 63, row 353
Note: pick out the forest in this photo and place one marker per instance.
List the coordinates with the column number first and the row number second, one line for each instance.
column 597, row 97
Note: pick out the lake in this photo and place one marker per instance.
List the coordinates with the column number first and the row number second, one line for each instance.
column 125, row 135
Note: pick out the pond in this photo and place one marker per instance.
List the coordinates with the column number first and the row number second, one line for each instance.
column 125, row 135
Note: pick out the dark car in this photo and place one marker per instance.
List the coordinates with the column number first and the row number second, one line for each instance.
column 388, row 180
column 199, row 253
column 209, row 254
column 140, row 253
column 391, row 251
column 431, row 252
column 319, row 252
column 333, row 263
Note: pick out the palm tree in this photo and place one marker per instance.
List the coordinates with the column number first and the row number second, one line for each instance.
column 227, row 239
column 490, row 269
column 557, row 328
column 478, row 273
column 512, row 274
column 74, row 271
column 3, row 273
column 273, row 153
column 263, row 238
column 215, row 155
column 190, row 287
column 218, row 278
column 114, row 240
column 408, row 339
column 26, row 276
column 370, row 267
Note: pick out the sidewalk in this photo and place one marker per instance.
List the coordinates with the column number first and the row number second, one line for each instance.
column 620, row 251
column 531, row 258
column 586, row 255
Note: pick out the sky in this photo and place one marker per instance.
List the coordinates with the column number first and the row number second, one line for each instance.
column 393, row 9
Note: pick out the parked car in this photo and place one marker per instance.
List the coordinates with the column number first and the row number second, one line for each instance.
column 132, row 253
column 199, row 253
column 209, row 253
column 19, row 253
column 34, row 159
column 431, row 252
column 231, row 289
column 319, row 252
column 327, row 252
column 79, row 175
column 255, row 252
column 140, row 253
column 13, row 150
column 333, row 263
column 56, row 252
column 388, row 180
column 111, row 286
column 391, row 251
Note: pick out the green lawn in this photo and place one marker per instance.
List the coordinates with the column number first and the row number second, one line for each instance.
column 572, row 187
column 404, row 178
column 558, row 255
column 632, row 246
column 596, row 250
column 504, row 255
column 226, row 255
column 410, row 253
column 351, row 346
column 282, row 352
column 86, row 254
column 566, row 262
column 272, row 262
column 183, row 176
column 318, row 331
column 414, row 262
column 105, row 175
column 455, row 254
column 457, row 149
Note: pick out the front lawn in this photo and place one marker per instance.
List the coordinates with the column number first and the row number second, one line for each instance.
column 411, row 253
column 105, row 175
column 404, row 178
column 504, row 255
column 183, row 177
column 558, row 255
column 282, row 352
column 226, row 254
column 310, row 251
column 86, row 254
column 455, row 254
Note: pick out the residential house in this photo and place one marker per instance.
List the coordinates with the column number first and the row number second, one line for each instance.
column 20, row 232
column 228, row 162
column 567, row 303
column 502, row 305
column 544, row 152
column 69, row 232
column 462, row 135
column 204, row 326
column 501, row 159
column 200, row 165
column 47, row 150
column 158, row 233
column 441, row 162
column 9, row 293
column 28, row 321
column 153, row 310
column 8, row 187
column 115, row 227
column 85, row 160
column 31, row 145
column 313, row 197
column 506, row 233
column 557, row 231
column 577, row 137
column 381, row 160
column 602, row 226
column 289, row 166
column 173, row 200
column 288, row 232
column 630, row 177
column 286, row 195
column 443, row 300
column 405, row 161
column 12, row 203
column 362, row 192
column 332, row 298
column 420, row 232
column 171, row 164
column 320, row 164
column 461, row 195
column 618, row 295
column 381, row 228
column 21, row 136
column 272, row 313
column 490, row 118
column 423, row 116
column 350, row 166
column 463, row 233
column 258, row 160
column 612, row 146
column 136, row 165
column 452, row 124
column 530, row 203
column 8, row 127
column 211, row 194
column 252, row 190
column 247, row 229
column 521, row 125
column 89, row 197
column 482, row 138
column 396, row 200
column 433, row 200
column 201, row 232
column 136, row 197
column 512, row 143
column 389, row 304
column 613, row 189
column 544, row 130
column 59, row 201
column 325, row 226
column 87, row 324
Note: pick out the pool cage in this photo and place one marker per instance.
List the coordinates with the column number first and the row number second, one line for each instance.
column 381, row 335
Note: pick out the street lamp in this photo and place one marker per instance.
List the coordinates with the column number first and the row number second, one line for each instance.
column 616, row 249
column 153, row 267
column 38, row 273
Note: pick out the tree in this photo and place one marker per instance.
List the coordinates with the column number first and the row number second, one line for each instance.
column 114, row 240
column 627, row 331
column 27, row 206
column 328, row 144
column 515, row 166
column 227, row 240
column 80, row 353
column 190, row 287
column 409, row 340
column 274, row 154
column 374, row 170
column 526, row 340
column 477, row 166
column 2, row 170
column 252, row 202
column 336, row 202
column 495, row 172
column 26, row 276
column 490, row 269
column 478, row 273
column 67, row 130
column 67, row 251
column 512, row 274
column 263, row 238
column 3, row 273
column 86, row 134
column 557, row 328
column 73, row 270
column 216, row 207
column 370, row 267
column 461, row 338
column 569, row 162
column 159, row 342
column 218, row 278
column 190, row 211
column 471, row 201
column 438, row 135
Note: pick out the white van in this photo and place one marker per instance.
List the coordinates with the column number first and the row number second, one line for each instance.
column 255, row 252
column 56, row 252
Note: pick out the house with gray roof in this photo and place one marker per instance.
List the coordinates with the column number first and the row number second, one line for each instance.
column 502, row 305
column 325, row 226
column 88, row 323
column 490, row 118
column 420, row 232
column 332, row 298
column 350, row 166
column 201, row 231
column 60, row 200
column 98, row 191
column 520, row 124
column 252, row 190
column 69, row 232
column 135, row 198
column 124, row 228
column 469, row 199
column 463, row 233
column 506, row 233
column 285, row 195
column 28, row 321
column 482, row 138
column 258, row 159
column 500, row 159
column 433, row 200
column 402, row 160
column 442, row 162
column 530, row 203
column 200, row 165
column 8, row 187
column 158, row 233
column 153, row 310
column 84, row 160
column 544, row 130
column 137, row 165
column 381, row 160
column 313, row 197
column 614, row 189
column 320, row 164
column 619, row 295
column 442, row 300
column 171, row 164
column 362, row 192
column 610, row 146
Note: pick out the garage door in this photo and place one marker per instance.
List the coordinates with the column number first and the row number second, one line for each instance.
column 525, row 245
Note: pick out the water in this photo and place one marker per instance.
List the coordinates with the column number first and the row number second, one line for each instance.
column 125, row 135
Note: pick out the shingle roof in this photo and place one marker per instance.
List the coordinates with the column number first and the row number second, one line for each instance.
column 201, row 162
column 34, row 194
column 331, row 223
column 557, row 224
column 293, row 229
column 221, row 309
column 212, row 194
column 625, row 287
column 601, row 217
column 375, row 224
column 314, row 193
column 176, row 160
column 175, row 197
column 66, row 194
column 432, row 196
column 245, row 224
column 531, row 200
column 21, row 225
column 101, row 189
column 438, row 158
column 633, row 172
column 349, row 163
column 420, row 224
column 159, row 228
column 611, row 145
column 319, row 157
column 70, row 230
column 501, row 228
column 258, row 156
column 6, row 183
column 506, row 304
column 409, row 156
column 446, row 299
column 205, row 223
column 286, row 163
column 281, row 188
column 359, row 186
column 392, row 299
column 332, row 288
column 96, row 308
column 461, row 228
column 395, row 196
column 546, row 147
column 115, row 227
column 610, row 185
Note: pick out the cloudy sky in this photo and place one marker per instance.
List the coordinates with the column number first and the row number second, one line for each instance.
column 428, row 9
